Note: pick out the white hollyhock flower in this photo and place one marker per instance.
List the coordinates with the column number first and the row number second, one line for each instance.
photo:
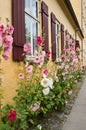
column 46, row 91
column 45, row 82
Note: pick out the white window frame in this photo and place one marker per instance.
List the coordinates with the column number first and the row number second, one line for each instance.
column 57, row 41
column 29, row 13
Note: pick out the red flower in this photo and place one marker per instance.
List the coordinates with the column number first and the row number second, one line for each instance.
column 12, row 115
column 48, row 53
column 39, row 40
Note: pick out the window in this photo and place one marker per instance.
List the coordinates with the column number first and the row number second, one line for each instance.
column 57, row 40
column 25, row 19
column 31, row 23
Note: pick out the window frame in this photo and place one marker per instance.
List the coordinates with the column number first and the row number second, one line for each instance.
column 35, row 20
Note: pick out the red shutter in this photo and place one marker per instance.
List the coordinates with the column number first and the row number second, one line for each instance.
column 53, row 36
column 19, row 29
column 45, row 25
column 62, row 37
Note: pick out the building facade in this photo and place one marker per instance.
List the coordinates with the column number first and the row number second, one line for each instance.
column 84, row 29
column 30, row 18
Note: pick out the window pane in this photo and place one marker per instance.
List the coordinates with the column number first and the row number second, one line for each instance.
column 27, row 5
column 27, row 28
column 34, row 33
column 35, row 8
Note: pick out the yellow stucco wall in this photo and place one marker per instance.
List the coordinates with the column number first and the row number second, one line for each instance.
column 9, row 67
column 63, row 16
column 76, row 4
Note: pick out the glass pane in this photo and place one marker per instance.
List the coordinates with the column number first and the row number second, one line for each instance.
column 27, row 5
column 34, row 33
column 57, row 47
column 35, row 8
column 27, row 28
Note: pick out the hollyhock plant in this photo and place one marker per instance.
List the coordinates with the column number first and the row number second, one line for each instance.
column 43, row 88
column 6, row 41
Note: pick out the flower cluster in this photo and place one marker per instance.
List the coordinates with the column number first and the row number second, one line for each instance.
column 12, row 115
column 47, row 83
column 6, row 40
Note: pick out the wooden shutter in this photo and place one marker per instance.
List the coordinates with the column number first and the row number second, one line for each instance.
column 66, row 34
column 62, row 37
column 45, row 25
column 18, row 20
column 53, row 36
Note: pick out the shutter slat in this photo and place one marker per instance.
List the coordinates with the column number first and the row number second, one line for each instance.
column 53, row 36
column 62, row 37
column 18, row 19
column 44, row 8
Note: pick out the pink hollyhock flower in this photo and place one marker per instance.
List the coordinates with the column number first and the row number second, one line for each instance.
column 66, row 38
column 70, row 92
column 71, row 48
column 0, row 41
column 21, row 76
column 10, row 30
column 63, row 55
column 35, row 53
column 66, row 59
column 45, row 72
column 64, row 91
column 28, row 76
column 6, row 57
column 7, row 50
column 29, row 69
column 72, row 52
column 12, row 115
column 66, row 66
column 39, row 40
column 2, row 28
column 77, row 49
column 35, row 107
column 75, row 81
column 8, row 40
column 6, row 53
column 27, row 48
column 1, row 78
column 70, row 41
column 36, row 59
column 43, row 53
column 42, row 58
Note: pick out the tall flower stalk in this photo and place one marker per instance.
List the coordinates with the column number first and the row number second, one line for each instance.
column 6, row 41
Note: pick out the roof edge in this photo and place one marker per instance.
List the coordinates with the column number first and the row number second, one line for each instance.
column 71, row 10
